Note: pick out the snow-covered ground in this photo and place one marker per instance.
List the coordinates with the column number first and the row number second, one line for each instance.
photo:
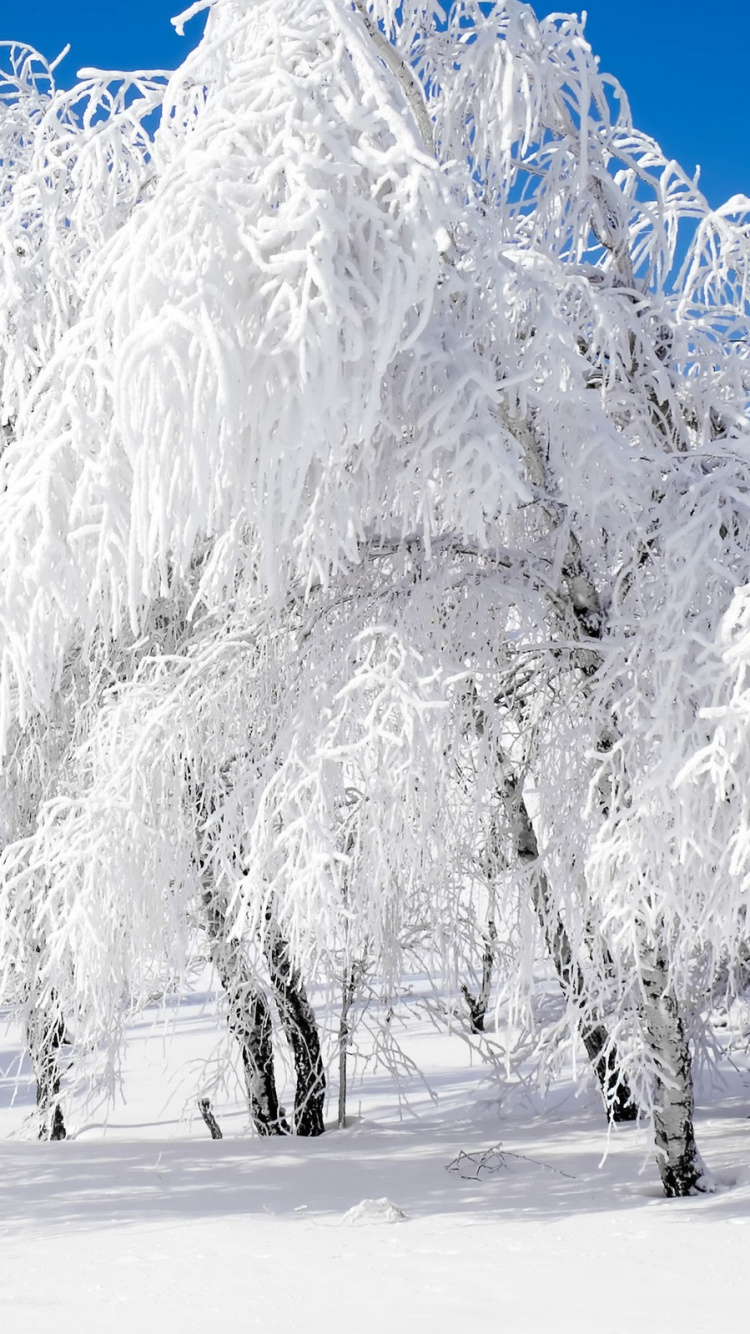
column 145, row 1224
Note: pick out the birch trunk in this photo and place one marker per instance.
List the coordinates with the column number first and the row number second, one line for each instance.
column 45, row 1035
column 478, row 1004
column 582, row 614
column 348, row 993
column 601, row 1051
column 249, row 1020
column 680, row 1166
column 301, row 1029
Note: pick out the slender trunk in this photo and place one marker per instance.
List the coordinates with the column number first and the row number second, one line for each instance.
column 249, row 1015
column 679, row 1162
column 601, row 1051
column 249, row 1021
column 299, row 1024
column 45, row 1034
column 618, row 1100
column 662, row 1024
column 349, row 991
column 204, row 1107
column 478, row 1004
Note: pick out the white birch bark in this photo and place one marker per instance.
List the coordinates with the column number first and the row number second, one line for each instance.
column 681, row 1169
column 680, row 1166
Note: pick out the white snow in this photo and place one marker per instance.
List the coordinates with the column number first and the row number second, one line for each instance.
column 145, row 1224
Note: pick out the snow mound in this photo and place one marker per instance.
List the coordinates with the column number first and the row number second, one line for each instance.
column 374, row 1211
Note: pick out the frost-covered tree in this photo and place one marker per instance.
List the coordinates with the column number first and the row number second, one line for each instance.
column 74, row 165
column 411, row 381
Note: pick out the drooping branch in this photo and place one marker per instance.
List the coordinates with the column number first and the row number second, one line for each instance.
column 410, row 85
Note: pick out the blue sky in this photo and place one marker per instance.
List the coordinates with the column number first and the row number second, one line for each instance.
column 685, row 68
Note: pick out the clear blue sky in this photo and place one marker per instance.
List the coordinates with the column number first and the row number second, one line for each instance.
column 684, row 65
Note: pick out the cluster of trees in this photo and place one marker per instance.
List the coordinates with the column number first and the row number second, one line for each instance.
column 374, row 545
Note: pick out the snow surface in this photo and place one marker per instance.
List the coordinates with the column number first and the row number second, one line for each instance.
column 143, row 1223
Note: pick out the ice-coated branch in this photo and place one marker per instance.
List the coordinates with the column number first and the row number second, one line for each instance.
column 397, row 65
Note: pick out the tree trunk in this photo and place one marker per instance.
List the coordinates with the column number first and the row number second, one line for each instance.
column 618, row 1100
column 204, row 1107
column 299, row 1024
column 478, row 1004
column 680, row 1166
column 601, row 1051
column 679, row 1162
column 45, row 1034
column 348, row 993
column 249, row 1021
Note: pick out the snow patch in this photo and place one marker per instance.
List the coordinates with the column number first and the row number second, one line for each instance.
column 375, row 1211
